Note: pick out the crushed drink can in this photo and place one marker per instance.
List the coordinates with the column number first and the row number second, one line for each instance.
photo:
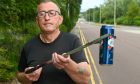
column 106, row 45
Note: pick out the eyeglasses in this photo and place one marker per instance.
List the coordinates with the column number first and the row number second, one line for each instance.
column 50, row 13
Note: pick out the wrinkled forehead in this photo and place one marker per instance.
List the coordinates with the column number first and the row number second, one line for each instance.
column 47, row 6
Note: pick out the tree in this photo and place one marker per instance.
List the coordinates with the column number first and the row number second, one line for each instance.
column 133, row 11
column 127, row 12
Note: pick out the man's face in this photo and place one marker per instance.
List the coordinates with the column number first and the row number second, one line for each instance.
column 48, row 17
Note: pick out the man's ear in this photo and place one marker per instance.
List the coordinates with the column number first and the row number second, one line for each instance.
column 60, row 20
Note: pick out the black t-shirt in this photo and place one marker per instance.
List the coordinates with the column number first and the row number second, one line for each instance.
column 36, row 52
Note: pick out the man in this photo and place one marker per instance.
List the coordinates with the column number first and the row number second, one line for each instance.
column 49, row 45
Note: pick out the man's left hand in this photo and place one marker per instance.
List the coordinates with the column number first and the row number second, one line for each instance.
column 60, row 61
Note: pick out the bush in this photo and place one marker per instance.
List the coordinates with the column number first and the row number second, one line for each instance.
column 11, row 42
column 109, row 21
column 122, row 20
column 29, row 28
column 137, row 21
column 63, row 28
column 7, row 70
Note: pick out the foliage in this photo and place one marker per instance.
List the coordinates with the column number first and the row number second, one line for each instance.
column 70, row 11
column 133, row 11
column 7, row 70
column 9, row 12
column 63, row 28
column 11, row 44
column 137, row 21
column 126, row 12
column 122, row 20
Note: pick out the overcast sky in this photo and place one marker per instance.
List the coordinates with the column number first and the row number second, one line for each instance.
column 86, row 4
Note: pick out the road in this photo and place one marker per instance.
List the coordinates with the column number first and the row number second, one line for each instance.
column 126, row 67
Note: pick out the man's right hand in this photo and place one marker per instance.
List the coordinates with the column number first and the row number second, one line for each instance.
column 34, row 76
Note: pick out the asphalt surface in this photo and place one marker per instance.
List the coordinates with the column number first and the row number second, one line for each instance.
column 126, row 66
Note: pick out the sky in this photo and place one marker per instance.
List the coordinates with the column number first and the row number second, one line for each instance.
column 86, row 4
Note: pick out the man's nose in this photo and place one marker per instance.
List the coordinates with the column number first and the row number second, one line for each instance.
column 47, row 17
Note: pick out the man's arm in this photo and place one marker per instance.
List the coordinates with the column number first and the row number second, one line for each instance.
column 79, row 72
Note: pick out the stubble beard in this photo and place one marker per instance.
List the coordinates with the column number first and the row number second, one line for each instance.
column 50, row 28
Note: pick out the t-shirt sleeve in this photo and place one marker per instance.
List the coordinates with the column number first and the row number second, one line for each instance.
column 22, row 61
column 79, row 56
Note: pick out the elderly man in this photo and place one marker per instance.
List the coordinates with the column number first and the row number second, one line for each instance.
column 49, row 45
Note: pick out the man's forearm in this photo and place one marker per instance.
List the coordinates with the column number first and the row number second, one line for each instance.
column 22, row 79
column 80, row 73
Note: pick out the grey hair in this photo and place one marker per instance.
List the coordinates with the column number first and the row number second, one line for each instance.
column 45, row 1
